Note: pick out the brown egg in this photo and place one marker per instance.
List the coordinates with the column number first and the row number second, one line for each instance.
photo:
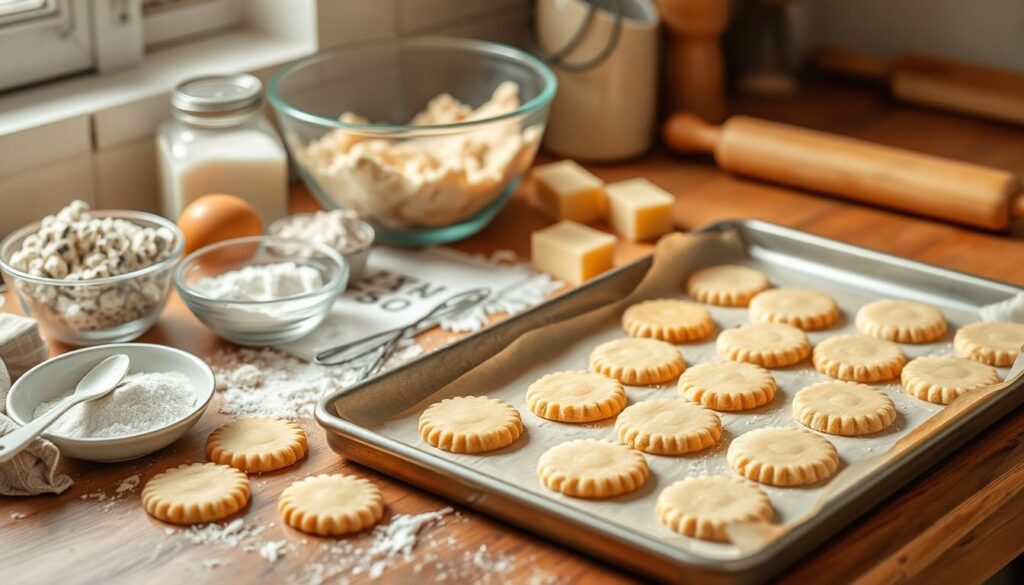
column 215, row 218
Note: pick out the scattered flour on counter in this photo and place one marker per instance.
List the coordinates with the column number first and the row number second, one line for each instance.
column 128, row 484
column 145, row 401
column 268, row 382
column 17, row 516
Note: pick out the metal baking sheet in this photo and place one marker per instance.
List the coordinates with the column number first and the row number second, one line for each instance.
column 375, row 422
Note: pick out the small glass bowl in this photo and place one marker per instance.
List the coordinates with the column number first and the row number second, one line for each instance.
column 101, row 310
column 389, row 82
column 356, row 257
column 261, row 323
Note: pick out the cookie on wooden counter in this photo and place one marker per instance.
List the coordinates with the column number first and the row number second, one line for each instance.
column 257, row 444
column 196, row 493
column 331, row 505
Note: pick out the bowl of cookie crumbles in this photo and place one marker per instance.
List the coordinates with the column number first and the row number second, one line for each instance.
column 92, row 277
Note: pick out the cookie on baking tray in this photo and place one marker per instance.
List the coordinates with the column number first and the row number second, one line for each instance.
column 901, row 321
column 783, row 457
column 728, row 386
column 668, row 320
column 858, row 358
column 704, row 506
column 591, row 468
column 575, row 397
column 843, row 408
column 257, row 444
column 995, row 343
column 470, row 424
column 331, row 505
column 728, row 285
column 196, row 493
column 942, row 379
column 806, row 309
column 771, row 345
column 637, row 361
column 668, row 427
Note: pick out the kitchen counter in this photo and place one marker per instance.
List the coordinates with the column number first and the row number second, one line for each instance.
column 959, row 522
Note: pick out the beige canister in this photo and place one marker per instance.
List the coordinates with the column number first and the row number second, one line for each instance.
column 607, row 111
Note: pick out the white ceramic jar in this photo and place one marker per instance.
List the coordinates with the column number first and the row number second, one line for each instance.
column 218, row 141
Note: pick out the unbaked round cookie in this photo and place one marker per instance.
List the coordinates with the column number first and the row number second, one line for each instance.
column 843, row 408
column 902, row 321
column 783, row 457
column 575, row 397
column 196, row 493
column 995, row 343
column 702, row 507
column 728, row 386
column 637, row 361
column 470, row 424
column 331, row 505
column 858, row 358
column 772, row 345
column 257, row 444
column 728, row 285
column 806, row 309
column 941, row 379
column 668, row 320
column 589, row 468
column 668, row 427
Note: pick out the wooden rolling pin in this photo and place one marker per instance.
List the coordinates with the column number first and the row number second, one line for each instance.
column 967, row 88
column 863, row 171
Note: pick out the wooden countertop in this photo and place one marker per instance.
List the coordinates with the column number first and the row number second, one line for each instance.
column 960, row 522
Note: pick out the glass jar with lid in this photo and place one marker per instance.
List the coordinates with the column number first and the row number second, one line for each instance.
column 218, row 141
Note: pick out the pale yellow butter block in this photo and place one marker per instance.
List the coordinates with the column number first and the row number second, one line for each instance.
column 572, row 252
column 565, row 190
column 639, row 210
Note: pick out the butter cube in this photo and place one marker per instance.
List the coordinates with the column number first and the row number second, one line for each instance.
column 639, row 210
column 565, row 190
column 572, row 252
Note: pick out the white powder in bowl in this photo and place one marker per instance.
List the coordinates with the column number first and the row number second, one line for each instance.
column 144, row 402
column 261, row 282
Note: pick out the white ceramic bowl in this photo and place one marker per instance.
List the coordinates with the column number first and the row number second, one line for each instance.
column 57, row 376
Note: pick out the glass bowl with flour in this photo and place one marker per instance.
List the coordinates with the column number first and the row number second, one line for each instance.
column 262, row 290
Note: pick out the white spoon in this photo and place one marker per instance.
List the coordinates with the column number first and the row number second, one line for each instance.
column 96, row 384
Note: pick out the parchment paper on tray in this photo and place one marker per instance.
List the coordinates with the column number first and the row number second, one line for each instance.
column 566, row 345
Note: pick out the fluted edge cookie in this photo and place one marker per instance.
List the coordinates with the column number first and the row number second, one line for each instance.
column 727, row 285
column 783, row 457
column 257, row 444
column 942, row 379
column 859, row 358
column 995, row 343
column 196, row 493
column 805, row 309
column 575, row 397
column 668, row 320
column 637, row 361
column 705, row 506
column 728, row 385
column 901, row 321
column 590, row 468
column 772, row 345
column 470, row 424
column 331, row 505
column 844, row 408
column 668, row 427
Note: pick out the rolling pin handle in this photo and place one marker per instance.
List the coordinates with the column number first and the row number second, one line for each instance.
column 689, row 133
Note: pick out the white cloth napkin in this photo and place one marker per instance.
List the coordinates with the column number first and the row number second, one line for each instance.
column 21, row 345
column 401, row 286
column 34, row 470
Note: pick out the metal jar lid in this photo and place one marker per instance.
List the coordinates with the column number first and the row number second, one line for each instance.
column 213, row 95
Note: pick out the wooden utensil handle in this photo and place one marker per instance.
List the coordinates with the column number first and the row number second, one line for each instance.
column 873, row 173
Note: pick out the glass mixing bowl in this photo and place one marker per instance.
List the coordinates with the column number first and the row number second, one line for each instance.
column 347, row 116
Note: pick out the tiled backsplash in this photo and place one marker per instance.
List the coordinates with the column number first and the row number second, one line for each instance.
column 108, row 157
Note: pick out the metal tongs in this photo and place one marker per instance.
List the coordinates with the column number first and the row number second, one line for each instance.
column 385, row 342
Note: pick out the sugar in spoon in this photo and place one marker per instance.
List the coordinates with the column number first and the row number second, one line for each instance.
column 100, row 380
